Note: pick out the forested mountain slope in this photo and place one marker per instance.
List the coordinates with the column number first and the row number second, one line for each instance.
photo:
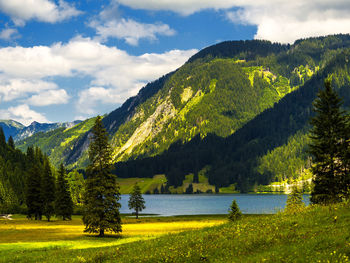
column 270, row 147
column 13, row 170
column 231, row 108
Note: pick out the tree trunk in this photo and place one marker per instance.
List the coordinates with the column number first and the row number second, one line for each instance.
column 102, row 233
column 137, row 213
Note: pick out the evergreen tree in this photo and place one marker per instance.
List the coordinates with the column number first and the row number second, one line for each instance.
column 48, row 191
column 234, row 212
column 76, row 186
column 162, row 190
column 136, row 200
column 34, row 198
column 327, row 144
column 63, row 201
column 2, row 137
column 195, row 178
column 189, row 189
column 101, row 206
column 295, row 201
column 11, row 143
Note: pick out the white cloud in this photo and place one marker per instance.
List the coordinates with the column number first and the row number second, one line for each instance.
column 49, row 97
column 276, row 20
column 23, row 114
column 24, row 71
column 13, row 89
column 287, row 21
column 89, row 98
column 41, row 10
column 130, row 30
column 9, row 34
column 183, row 7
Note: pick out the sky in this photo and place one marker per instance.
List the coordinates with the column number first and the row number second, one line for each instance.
column 65, row 60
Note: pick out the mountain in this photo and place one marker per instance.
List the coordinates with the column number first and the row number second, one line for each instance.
column 36, row 127
column 19, row 132
column 235, row 112
column 11, row 127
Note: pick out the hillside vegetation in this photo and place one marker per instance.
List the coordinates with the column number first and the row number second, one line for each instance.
column 238, row 110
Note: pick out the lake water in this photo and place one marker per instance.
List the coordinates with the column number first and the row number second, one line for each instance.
column 168, row 205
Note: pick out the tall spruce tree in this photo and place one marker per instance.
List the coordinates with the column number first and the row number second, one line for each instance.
column 101, row 206
column 327, row 146
column 34, row 198
column 48, row 190
column 63, row 200
column 11, row 143
column 136, row 200
column 2, row 137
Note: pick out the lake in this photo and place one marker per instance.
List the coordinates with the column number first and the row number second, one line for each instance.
column 169, row 205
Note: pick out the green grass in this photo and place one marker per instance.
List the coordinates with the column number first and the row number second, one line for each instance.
column 149, row 184
column 23, row 240
column 318, row 234
column 146, row 184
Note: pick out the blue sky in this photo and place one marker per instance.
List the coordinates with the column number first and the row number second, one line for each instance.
column 62, row 60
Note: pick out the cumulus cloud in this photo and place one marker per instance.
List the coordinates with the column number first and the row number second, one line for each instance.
column 131, row 31
column 49, row 97
column 89, row 98
column 276, row 20
column 184, row 7
column 290, row 20
column 23, row 114
column 24, row 72
column 40, row 10
column 109, row 24
column 9, row 34
column 12, row 89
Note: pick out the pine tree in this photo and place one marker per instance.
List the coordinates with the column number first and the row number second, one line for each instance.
column 234, row 212
column 327, row 144
column 34, row 198
column 11, row 143
column 195, row 178
column 2, row 137
column 63, row 200
column 136, row 200
column 76, row 186
column 189, row 189
column 48, row 191
column 101, row 206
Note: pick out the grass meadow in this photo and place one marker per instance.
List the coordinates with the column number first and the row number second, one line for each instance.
column 23, row 240
column 317, row 234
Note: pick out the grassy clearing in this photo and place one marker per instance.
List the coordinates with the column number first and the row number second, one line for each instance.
column 319, row 234
column 149, row 184
column 23, row 240
column 146, row 184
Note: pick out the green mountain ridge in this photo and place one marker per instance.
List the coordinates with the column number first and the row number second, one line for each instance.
column 221, row 92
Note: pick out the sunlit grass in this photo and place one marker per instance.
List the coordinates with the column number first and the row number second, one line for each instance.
column 317, row 234
column 22, row 235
